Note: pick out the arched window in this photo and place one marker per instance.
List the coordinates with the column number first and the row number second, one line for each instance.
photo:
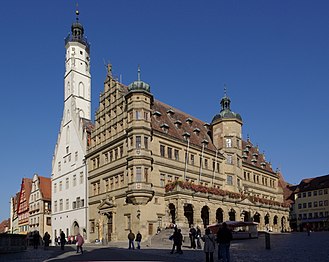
column 81, row 91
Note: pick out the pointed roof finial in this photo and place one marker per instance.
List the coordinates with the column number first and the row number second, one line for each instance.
column 77, row 12
column 139, row 73
column 225, row 90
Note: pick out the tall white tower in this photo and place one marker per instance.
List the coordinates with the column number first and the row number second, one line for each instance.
column 69, row 172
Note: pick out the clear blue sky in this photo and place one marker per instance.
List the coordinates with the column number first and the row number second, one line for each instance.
column 273, row 55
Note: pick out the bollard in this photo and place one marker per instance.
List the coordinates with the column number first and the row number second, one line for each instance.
column 267, row 240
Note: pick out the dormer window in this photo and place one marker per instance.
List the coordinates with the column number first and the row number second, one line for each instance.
column 189, row 120
column 186, row 135
column 206, row 126
column 170, row 112
column 244, row 156
column 164, row 127
column 246, row 150
column 205, row 142
column 254, row 161
column 196, row 131
column 248, row 146
column 255, row 155
column 263, row 164
column 156, row 114
column 178, row 123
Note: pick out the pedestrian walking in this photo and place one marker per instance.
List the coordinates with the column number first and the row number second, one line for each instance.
column 308, row 229
column 192, row 235
column 198, row 237
column 62, row 240
column 46, row 240
column 79, row 243
column 224, row 237
column 131, row 238
column 138, row 240
column 209, row 245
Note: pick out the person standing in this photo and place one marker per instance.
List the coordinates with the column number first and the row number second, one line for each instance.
column 46, row 239
column 79, row 243
column 131, row 238
column 62, row 239
column 138, row 240
column 198, row 236
column 177, row 237
column 192, row 234
column 224, row 237
column 36, row 237
column 209, row 245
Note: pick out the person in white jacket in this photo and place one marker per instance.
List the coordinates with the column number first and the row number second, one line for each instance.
column 209, row 245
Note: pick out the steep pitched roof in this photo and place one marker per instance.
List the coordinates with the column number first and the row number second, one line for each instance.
column 168, row 116
column 4, row 225
column 252, row 156
column 315, row 183
column 45, row 187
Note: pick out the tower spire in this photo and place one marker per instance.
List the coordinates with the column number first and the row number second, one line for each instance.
column 139, row 73
column 77, row 12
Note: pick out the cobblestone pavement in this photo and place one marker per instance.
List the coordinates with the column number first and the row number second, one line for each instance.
column 284, row 247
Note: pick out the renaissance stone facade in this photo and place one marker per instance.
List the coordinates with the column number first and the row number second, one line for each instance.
column 151, row 165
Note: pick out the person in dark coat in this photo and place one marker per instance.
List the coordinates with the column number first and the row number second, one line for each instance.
column 177, row 238
column 138, row 240
column 63, row 240
column 36, row 237
column 192, row 235
column 198, row 237
column 224, row 237
column 131, row 238
column 46, row 240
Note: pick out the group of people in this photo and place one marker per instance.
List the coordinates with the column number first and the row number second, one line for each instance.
column 222, row 239
column 132, row 238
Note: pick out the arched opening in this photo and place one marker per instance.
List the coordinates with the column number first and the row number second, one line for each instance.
column 257, row 217
column 188, row 213
column 205, row 216
column 283, row 224
column 75, row 228
column 267, row 219
column 245, row 215
column 231, row 215
column 275, row 220
column 219, row 215
column 81, row 90
column 67, row 135
column 172, row 212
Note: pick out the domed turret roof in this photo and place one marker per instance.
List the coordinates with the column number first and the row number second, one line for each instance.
column 225, row 111
column 139, row 84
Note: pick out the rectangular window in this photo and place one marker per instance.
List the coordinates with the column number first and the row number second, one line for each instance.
column 169, row 151
column 67, row 204
column 229, row 180
column 146, row 142
column 304, row 205
column 320, row 203
column 55, row 188
column 315, row 193
column 325, row 191
column 138, row 115
column 192, row 160
column 176, row 152
column 61, row 205
column 60, row 186
column 138, row 142
column 162, row 180
column 320, row 192
column 76, row 156
column 121, row 151
column 138, row 174
column 92, row 226
column 81, row 177
column 74, row 180
column 315, row 204
column 48, row 219
column 206, row 163
column 162, row 150
column 55, row 206
column 67, row 182
column 228, row 142
column 304, row 194
column 325, row 203
column 309, row 205
column 229, row 159
column 74, row 205
column 146, row 175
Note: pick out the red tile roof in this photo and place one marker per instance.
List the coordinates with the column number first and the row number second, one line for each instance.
column 45, row 187
column 315, row 183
